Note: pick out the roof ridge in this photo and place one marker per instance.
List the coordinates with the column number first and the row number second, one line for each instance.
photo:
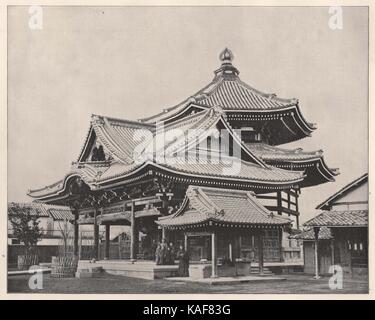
column 123, row 121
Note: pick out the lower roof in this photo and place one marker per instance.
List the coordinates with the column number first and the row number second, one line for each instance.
column 57, row 213
column 347, row 218
column 311, row 162
column 221, row 207
column 324, row 234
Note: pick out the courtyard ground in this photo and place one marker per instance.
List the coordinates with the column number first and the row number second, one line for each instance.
column 119, row 284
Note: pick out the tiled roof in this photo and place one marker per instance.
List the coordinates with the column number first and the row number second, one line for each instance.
column 42, row 210
column 233, row 94
column 349, row 218
column 351, row 186
column 61, row 214
column 116, row 135
column 229, row 92
column 204, row 204
column 324, row 234
column 35, row 209
column 232, row 167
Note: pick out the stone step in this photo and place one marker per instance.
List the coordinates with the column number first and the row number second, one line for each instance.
column 255, row 270
column 88, row 272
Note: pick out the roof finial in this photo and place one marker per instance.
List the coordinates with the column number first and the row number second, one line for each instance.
column 227, row 70
column 226, row 56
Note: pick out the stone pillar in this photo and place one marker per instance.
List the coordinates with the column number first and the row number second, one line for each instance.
column 134, row 235
column 107, row 241
column 260, row 252
column 316, row 252
column 214, row 255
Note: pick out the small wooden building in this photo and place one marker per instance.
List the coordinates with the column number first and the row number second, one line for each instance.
column 339, row 234
column 230, row 225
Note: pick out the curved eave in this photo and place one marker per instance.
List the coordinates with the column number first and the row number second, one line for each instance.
column 149, row 168
column 316, row 170
column 287, row 122
column 209, row 221
column 197, row 178
column 58, row 190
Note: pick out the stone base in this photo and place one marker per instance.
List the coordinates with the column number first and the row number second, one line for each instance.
column 138, row 269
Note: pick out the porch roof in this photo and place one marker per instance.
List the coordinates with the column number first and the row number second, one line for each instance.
column 203, row 205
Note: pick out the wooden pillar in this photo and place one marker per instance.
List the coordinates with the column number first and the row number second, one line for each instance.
column 279, row 203
column 134, row 234
column 213, row 254
column 164, row 234
column 230, row 252
column 75, row 234
column 107, row 241
column 96, row 237
column 296, row 201
column 185, row 242
column 316, row 252
column 260, row 252
column 281, row 244
column 332, row 244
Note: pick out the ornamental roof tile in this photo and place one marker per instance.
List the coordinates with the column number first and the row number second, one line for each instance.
column 204, row 204
column 349, row 218
column 268, row 153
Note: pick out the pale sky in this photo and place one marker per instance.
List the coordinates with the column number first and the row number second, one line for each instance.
column 133, row 62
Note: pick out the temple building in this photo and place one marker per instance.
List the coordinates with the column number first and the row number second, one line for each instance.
column 207, row 173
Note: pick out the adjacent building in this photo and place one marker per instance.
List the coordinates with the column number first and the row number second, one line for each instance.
column 339, row 234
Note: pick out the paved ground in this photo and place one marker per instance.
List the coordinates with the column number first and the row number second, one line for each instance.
column 121, row 284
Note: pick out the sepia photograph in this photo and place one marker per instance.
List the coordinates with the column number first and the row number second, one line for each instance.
column 187, row 150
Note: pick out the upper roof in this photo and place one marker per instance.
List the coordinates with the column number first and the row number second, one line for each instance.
column 349, row 218
column 221, row 207
column 228, row 91
column 41, row 210
column 326, row 204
